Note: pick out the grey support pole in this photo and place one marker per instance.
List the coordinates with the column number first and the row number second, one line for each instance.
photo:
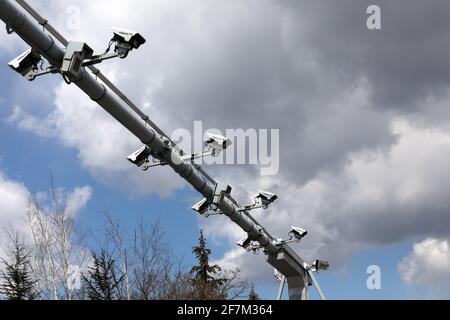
column 281, row 288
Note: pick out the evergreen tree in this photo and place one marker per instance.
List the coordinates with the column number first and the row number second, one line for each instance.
column 16, row 280
column 253, row 295
column 206, row 280
column 102, row 283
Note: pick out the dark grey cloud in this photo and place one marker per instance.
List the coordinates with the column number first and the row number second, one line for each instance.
column 404, row 62
column 264, row 71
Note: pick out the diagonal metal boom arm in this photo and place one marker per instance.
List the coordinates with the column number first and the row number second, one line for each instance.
column 112, row 100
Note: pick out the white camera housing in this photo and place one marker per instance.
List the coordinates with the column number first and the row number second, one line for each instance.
column 320, row 265
column 298, row 233
column 140, row 158
column 26, row 63
column 217, row 143
column 264, row 198
column 126, row 41
column 202, row 207
column 245, row 243
column 278, row 275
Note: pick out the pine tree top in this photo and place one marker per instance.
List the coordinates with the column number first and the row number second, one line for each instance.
column 102, row 282
column 253, row 295
column 17, row 282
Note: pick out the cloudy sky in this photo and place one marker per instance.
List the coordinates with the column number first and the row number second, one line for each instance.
column 363, row 119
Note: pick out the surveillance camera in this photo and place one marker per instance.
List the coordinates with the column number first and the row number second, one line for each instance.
column 321, row 265
column 245, row 243
column 267, row 195
column 130, row 37
column 298, row 233
column 220, row 193
column 26, row 63
column 76, row 53
column 140, row 157
column 217, row 143
column 202, row 207
column 126, row 41
column 265, row 198
column 278, row 275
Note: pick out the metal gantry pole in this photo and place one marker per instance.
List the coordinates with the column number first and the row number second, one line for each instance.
column 58, row 36
column 316, row 284
column 281, row 288
column 281, row 257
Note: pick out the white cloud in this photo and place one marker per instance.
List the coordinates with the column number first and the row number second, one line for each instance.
column 14, row 198
column 15, row 116
column 103, row 144
column 15, row 201
column 13, row 204
column 78, row 199
column 428, row 264
column 11, row 45
column 28, row 122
